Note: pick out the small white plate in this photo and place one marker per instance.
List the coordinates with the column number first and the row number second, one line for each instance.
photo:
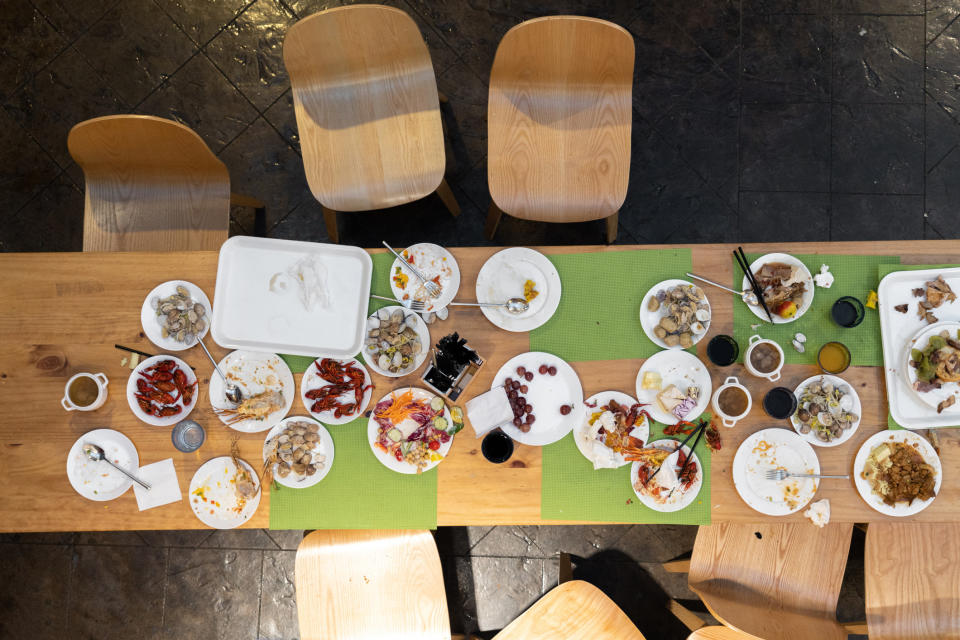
column 502, row 277
column 148, row 316
column 775, row 449
column 547, row 394
column 866, row 492
column 685, row 497
column 222, row 508
column 679, row 368
column 98, row 480
column 650, row 319
column 169, row 420
column 581, row 436
column 390, row 461
column 254, row 373
column 324, row 447
column 857, row 409
column 311, row 380
column 431, row 260
column 422, row 331
column 919, row 341
column 808, row 292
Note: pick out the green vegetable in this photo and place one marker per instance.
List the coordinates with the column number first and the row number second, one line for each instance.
column 437, row 403
column 936, row 342
column 916, row 355
column 440, row 423
column 395, row 434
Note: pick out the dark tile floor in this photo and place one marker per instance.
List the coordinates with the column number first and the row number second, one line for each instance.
column 760, row 120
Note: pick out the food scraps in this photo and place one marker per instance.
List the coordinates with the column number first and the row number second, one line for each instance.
column 871, row 302
column 824, row 279
column 902, row 308
column 678, row 403
column 898, row 473
column 934, row 292
column 937, row 363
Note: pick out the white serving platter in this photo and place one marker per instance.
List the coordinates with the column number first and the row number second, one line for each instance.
column 897, row 330
column 247, row 314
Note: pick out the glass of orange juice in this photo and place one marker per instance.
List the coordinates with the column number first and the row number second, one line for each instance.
column 833, row 357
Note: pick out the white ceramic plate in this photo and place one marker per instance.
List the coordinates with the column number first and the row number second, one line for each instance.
column 680, row 499
column 169, row 420
column 419, row 326
column 390, row 461
column 254, row 373
column 148, row 316
column 311, row 380
column 431, row 260
column 502, row 277
column 547, row 394
column 324, row 447
column 98, row 480
column 650, row 319
column 587, row 444
column 857, row 409
column 806, row 300
column 863, row 487
column 935, row 396
column 677, row 368
column 775, row 449
column 222, row 508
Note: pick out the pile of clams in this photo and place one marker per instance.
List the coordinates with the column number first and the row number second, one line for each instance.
column 686, row 313
column 179, row 316
column 392, row 340
column 825, row 409
column 294, row 450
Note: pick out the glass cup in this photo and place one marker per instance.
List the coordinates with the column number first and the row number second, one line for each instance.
column 187, row 436
column 780, row 403
column 847, row 312
column 723, row 350
column 833, row 357
column 497, row 447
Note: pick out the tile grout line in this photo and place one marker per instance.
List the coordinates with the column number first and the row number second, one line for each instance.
column 923, row 166
column 66, row 613
column 260, row 594
column 163, row 597
column 833, row 34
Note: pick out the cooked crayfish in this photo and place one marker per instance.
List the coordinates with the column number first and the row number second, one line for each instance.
column 155, row 388
column 340, row 379
column 256, row 407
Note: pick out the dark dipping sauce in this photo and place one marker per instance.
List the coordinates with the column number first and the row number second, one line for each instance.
column 497, row 447
column 765, row 358
column 723, row 350
column 732, row 401
column 780, row 403
column 847, row 312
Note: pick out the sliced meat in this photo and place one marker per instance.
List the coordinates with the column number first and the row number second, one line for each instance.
column 902, row 308
column 949, row 402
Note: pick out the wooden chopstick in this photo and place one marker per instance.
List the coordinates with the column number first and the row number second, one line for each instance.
column 757, row 291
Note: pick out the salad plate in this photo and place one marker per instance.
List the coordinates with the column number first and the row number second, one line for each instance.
column 433, row 261
column 267, row 386
column 410, row 430
column 519, row 272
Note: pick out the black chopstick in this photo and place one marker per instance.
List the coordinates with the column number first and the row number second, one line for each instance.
column 757, row 291
column 700, row 428
column 687, row 461
column 129, row 350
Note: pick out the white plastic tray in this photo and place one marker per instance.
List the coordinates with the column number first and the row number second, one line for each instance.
column 247, row 315
column 896, row 330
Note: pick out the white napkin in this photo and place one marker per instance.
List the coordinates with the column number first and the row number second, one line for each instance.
column 489, row 410
column 164, row 486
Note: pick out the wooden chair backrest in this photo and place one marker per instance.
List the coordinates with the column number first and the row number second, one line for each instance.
column 354, row 585
column 560, row 114
column 367, row 109
column 575, row 609
column 152, row 184
column 782, row 585
column 912, row 580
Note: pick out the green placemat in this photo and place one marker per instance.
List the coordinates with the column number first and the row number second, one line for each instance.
column 883, row 270
column 599, row 313
column 571, row 489
column 853, row 276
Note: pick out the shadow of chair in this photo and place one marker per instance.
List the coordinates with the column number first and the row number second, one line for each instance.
column 367, row 109
column 559, row 119
column 151, row 185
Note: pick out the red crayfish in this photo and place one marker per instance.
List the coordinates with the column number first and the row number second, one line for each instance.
column 156, row 387
column 341, row 379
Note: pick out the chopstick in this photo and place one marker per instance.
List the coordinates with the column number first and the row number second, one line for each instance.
column 687, row 461
column 742, row 261
column 129, row 350
column 700, row 428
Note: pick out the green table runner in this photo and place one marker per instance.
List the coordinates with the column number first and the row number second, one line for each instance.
column 853, row 276
column 571, row 489
column 599, row 313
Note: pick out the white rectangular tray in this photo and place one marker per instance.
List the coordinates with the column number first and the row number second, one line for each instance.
column 247, row 315
column 896, row 330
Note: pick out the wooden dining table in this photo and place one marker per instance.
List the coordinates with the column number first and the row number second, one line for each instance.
column 62, row 313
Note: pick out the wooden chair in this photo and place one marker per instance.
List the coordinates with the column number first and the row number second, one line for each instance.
column 575, row 610
column 152, row 185
column 719, row 633
column 354, row 585
column 365, row 98
column 912, row 581
column 774, row 581
column 560, row 112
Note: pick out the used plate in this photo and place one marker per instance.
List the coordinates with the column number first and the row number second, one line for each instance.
column 866, row 492
column 935, row 396
column 678, row 368
column 775, row 449
column 213, row 497
column 650, row 319
column 324, row 447
column 591, row 448
column 149, row 319
column 98, row 480
column 254, row 373
column 311, row 380
column 423, row 332
column 503, row 276
column 433, row 261
column 680, row 498
column 259, row 304
column 806, row 300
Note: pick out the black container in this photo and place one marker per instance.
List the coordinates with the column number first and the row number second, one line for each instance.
column 847, row 312
column 497, row 447
column 780, row 403
column 723, row 350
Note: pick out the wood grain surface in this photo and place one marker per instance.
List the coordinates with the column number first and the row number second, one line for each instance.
column 151, row 185
column 353, row 585
column 719, row 633
column 912, row 582
column 64, row 312
column 575, row 610
column 559, row 116
column 365, row 98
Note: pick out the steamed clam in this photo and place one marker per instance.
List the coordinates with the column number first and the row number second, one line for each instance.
column 295, row 450
column 392, row 341
column 180, row 317
column 825, row 409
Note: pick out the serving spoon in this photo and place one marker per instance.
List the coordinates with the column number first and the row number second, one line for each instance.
column 96, row 454
column 747, row 296
column 513, row 305
column 230, row 390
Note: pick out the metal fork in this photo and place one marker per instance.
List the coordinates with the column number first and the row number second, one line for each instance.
column 413, row 305
column 432, row 287
column 781, row 474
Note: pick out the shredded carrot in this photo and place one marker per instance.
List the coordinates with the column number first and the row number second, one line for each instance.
column 401, row 409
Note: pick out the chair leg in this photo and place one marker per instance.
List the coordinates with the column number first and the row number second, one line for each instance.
column 612, row 223
column 493, row 220
column 330, row 218
column 858, row 627
column 677, row 566
column 565, row 573
column 449, row 201
column 689, row 619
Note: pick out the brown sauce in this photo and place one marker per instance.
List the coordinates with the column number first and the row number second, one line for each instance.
column 84, row 391
column 732, row 401
column 765, row 358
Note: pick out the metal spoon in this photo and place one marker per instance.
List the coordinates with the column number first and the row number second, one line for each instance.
column 231, row 391
column 96, row 454
column 747, row 296
column 513, row 305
